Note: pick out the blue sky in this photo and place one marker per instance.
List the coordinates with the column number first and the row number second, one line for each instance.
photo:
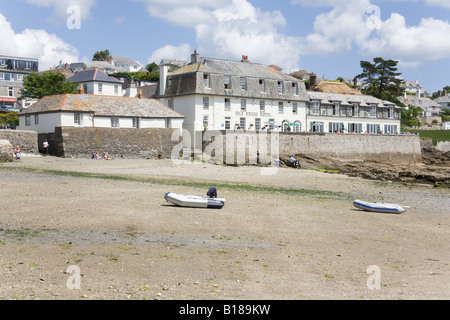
column 328, row 37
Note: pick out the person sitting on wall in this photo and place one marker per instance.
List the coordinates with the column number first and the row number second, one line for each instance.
column 212, row 192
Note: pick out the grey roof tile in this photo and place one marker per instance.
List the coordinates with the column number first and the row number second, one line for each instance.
column 103, row 106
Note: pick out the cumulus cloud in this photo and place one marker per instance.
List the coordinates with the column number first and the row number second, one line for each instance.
column 181, row 52
column 48, row 48
column 232, row 28
column 356, row 24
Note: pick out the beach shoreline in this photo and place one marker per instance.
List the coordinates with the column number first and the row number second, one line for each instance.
column 283, row 234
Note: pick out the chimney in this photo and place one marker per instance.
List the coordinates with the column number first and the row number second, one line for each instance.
column 66, row 66
column 80, row 90
column 140, row 95
column 163, row 71
column 355, row 83
column 312, row 81
column 244, row 59
column 195, row 57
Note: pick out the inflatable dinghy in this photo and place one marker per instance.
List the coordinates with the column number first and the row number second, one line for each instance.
column 184, row 200
column 379, row 206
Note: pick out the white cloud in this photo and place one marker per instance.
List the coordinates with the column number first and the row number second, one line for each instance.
column 232, row 28
column 182, row 52
column 348, row 26
column 48, row 48
column 442, row 3
column 427, row 41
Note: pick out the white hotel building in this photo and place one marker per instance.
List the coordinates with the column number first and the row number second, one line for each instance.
column 216, row 94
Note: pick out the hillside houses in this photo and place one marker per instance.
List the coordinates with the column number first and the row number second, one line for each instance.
column 215, row 94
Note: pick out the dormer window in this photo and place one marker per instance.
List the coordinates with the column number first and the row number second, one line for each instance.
column 280, row 87
column 243, row 81
column 226, row 82
column 295, row 88
column 206, row 81
column 262, row 85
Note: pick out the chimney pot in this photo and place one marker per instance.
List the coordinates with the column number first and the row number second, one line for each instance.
column 80, row 91
column 312, row 81
column 195, row 57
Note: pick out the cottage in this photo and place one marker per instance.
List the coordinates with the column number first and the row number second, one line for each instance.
column 96, row 81
column 94, row 111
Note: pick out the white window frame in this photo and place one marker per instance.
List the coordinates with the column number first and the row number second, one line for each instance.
column 206, row 81
column 295, row 89
column 205, row 103
column 227, row 103
column 243, row 83
column 227, row 82
column 243, row 104
column 280, row 107
column 114, row 122
column 262, row 85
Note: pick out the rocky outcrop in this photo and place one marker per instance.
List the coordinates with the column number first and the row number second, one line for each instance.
column 434, row 169
column 6, row 151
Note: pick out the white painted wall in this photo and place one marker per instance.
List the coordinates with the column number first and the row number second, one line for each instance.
column 108, row 89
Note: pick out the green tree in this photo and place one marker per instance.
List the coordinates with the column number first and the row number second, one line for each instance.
column 102, row 56
column 445, row 115
column 10, row 119
column 438, row 94
column 152, row 67
column 382, row 79
column 410, row 116
column 37, row 86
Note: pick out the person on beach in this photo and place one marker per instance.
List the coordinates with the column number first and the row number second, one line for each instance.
column 45, row 145
column 17, row 153
column 212, row 192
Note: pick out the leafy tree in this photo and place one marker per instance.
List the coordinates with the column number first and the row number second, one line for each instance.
column 152, row 67
column 37, row 86
column 410, row 116
column 9, row 119
column 382, row 79
column 102, row 56
column 445, row 115
column 437, row 94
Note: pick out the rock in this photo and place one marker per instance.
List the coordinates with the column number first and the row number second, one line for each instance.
column 6, row 151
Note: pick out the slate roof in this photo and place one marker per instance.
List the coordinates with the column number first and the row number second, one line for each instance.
column 336, row 87
column 418, row 101
column 93, row 75
column 348, row 99
column 103, row 106
column 234, row 68
column 443, row 99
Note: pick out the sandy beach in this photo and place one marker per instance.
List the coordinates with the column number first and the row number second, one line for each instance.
column 283, row 234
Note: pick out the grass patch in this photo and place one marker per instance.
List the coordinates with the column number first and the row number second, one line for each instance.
column 196, row 184
column 435, row 135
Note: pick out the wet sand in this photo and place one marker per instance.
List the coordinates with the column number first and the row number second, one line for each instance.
column 284, row 234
